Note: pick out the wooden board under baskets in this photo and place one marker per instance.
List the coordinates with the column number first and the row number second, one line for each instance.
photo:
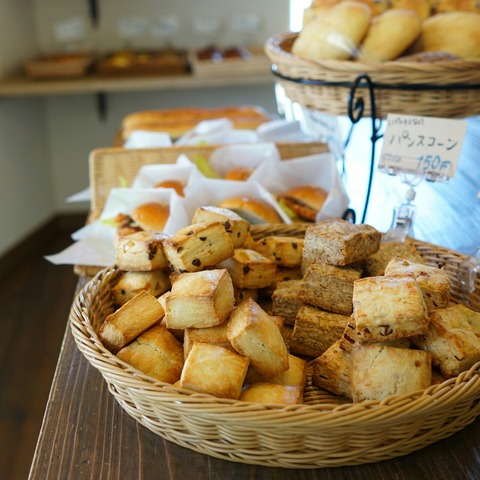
column 321, row 432
column 440, row 89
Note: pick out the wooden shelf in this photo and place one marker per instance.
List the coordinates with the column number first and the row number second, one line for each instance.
column 22, row 86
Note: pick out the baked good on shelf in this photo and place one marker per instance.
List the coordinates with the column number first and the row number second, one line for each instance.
column 375, row 264
column 177, row 185
column 234, row 224
column 238, row 173
column 333, row 34
column 285, row 251
column 434, row 282
column 315, row 330
column 130, row 320
column 255, row 335
column 249, row 269
column 254, row 210
column 378, row 371
column 422, row 8
column 151, row 215
column 329, row 287
column 200, row 299
column 303, row 202
column 389, row 35
column 140, row 251
column 198, row 246
column 216, row 335
column 451, row 339
column 129, row 284
column 215, row 370
column 156, row 353
column 284, row 300
column 338, row 242
column 388, row 308
column 272, row 393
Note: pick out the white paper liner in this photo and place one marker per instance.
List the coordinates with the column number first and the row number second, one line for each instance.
column 147, row 139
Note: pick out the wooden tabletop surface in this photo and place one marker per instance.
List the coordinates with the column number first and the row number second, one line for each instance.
column 87, row 435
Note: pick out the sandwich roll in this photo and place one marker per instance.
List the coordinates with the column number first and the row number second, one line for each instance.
column 303, row 202
column 252, row 209
column 151, row 216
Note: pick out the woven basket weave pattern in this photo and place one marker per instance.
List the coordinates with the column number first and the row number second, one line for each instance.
column 434, row 101
column 323, row 431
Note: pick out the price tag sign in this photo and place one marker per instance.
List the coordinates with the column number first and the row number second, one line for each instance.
column 164, row 26
column 132, row 27
column 70, row 30
column 425, row 146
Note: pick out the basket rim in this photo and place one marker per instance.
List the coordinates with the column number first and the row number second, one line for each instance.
column 311, row 416
column 447, row 73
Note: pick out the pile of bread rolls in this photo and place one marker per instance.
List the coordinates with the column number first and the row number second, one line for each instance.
column 384, row 30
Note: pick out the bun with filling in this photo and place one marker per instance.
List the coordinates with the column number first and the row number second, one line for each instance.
column 252, row 209
column 177, row 185
column 151, row 216
column 303, row 201
column 238, row 173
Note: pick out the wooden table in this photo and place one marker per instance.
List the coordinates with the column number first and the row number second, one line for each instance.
column 86, row 434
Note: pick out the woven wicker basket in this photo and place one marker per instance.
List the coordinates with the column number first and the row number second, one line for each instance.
column 441, row 89
column 323, row 431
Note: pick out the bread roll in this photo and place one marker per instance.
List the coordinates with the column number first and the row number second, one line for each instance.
column 252, row 209
column 457, row 33
column 335, row 34
column 421, row 7
column 390, row 34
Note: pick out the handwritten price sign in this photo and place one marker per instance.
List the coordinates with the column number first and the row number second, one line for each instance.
column 422, row 145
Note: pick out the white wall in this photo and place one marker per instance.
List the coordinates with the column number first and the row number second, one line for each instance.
column 26, row 189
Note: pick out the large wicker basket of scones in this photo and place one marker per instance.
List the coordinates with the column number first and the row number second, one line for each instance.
column 323, row 430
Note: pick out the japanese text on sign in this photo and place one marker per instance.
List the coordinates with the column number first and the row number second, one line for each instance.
column 422, row 145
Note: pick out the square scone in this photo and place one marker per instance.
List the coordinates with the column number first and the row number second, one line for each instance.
column 451, row 340
column 197, row 246
column 388, row 308
column 156, row 353
column 216, row 335
column 329, row 287
column 272, row 393
column 215, row 370
column 199, row 299
column 284, row 300
column 434, row 282
column 234, row 224
column 338, row 242
column 140, row 251
column 284, row 251
column 255, row 335
column 249, row 269
column 315, row 330
column 129, row 284
column 378, row 371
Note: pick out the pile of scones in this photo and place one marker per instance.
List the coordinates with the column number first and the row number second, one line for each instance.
column 212, row 310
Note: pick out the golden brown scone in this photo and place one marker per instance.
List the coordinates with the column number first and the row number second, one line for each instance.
column 434, row 282
column 242, row 293
column 215, row 370
column 200, row 299
column 216, row 335
column 316, row 330
column 130, row 320
column 329, row 287
column 284, row 300
column 457, row 33
column 389, row 35
column 421, row 7
column 472, row 317
column 338, row 242
column 140, row 251
column 234, row 225
column 295, row 375
column 334, row 34
column 198, row 246
column 376, row 263
column 378, row 372
column 388, row 308
column 156, row 353
column 249, row 269
column 255, row 335
column 284, row 251
column 451, row 340
column 272, row 393
column 331, row 370
column 130, row 283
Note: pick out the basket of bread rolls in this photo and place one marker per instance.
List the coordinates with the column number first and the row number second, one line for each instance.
column 299, row 345
column 422, row 56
